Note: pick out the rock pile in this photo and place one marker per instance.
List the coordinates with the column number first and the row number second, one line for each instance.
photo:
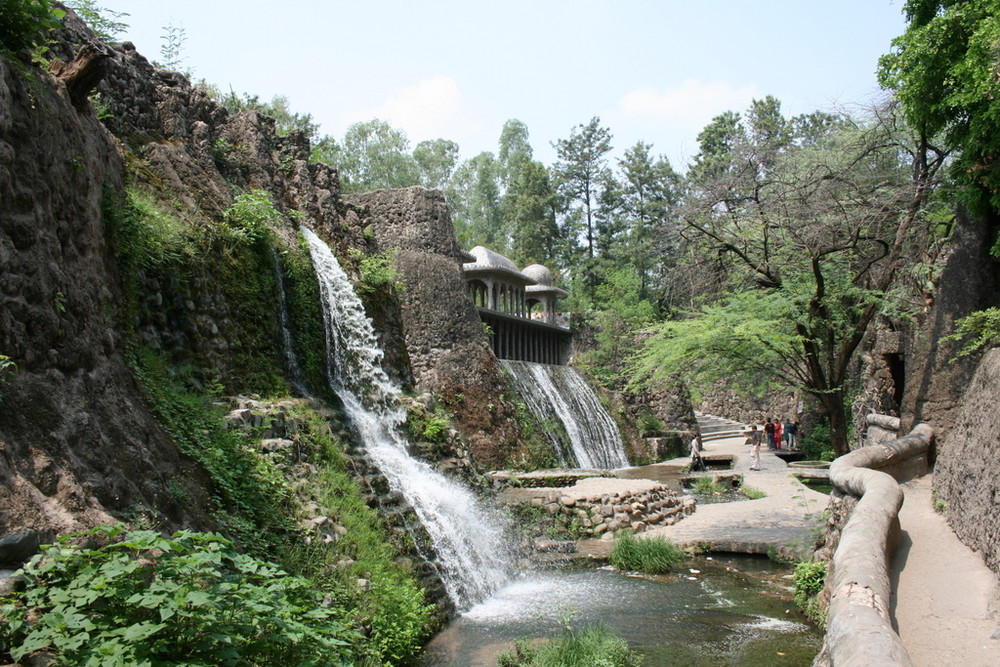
column 599, row 507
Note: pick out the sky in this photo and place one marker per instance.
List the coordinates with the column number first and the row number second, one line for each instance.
column 656, row 71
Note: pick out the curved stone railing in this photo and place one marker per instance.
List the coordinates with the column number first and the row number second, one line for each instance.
column 859, row 630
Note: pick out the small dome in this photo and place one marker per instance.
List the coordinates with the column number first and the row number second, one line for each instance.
column 487, row 259
column 539, row 274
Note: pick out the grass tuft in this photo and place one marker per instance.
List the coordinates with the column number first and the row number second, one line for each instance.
column 655, row 555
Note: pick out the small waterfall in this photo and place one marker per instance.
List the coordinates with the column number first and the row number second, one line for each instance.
column 559, row 393
column 471, row 544
column 295, row 374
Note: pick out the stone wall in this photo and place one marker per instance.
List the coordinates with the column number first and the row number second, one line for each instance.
column 78, row 443
column 969, row 281
column 597, row 512
column 967, row 475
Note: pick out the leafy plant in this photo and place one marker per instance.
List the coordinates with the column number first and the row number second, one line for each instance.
column 189, row 599
column 251, row 218
column 595, row 645
column 25, row 25
column 8, row 368
column 378, row 271
column 981, row 329
column 105, row 23
column 654, row 555
column 815, row 445
column 810, row 577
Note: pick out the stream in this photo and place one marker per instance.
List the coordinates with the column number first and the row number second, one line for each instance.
column 720, row 610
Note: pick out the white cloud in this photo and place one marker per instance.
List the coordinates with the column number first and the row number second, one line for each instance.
column 433, row 108
column 692, row 100
column 672, row 118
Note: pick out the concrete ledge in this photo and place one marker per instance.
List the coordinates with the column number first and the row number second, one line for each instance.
column 859, row 628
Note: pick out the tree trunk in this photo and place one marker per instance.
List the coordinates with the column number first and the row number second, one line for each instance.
column 833, row 404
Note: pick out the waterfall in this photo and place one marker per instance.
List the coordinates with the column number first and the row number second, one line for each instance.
column 295, row 374
column 558, row 393
column 470, row 542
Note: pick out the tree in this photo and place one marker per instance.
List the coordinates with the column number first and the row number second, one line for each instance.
column 581, row 166
column 945, row 70
column 812, row 239
column 529, row 205
column 436, row 161
column 474, row 200
column 514, row 151
column 650, row 191
column 374, row 155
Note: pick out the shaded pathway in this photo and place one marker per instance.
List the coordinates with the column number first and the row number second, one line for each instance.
column 943, row 590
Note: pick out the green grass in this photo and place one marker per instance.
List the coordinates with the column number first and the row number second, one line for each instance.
column 655, row 555
column 752, row 493
column 706, row 486
column 596, row 645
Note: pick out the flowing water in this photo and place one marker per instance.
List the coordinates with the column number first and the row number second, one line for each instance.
column 729, row 610
column 470, row 542
column 557, row 394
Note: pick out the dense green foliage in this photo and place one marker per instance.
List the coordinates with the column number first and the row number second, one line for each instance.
column 810, row 576
column 26, row 24
column 654, row 555
column 594, row 646
column 943, row 70
column 190, row 599
column 806, row 223
column 979, row 330
column 252, row 500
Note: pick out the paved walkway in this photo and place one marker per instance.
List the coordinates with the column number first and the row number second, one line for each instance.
column 944, row 606
column 784, row 522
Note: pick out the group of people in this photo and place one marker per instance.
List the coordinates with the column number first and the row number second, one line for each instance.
column 777, row 433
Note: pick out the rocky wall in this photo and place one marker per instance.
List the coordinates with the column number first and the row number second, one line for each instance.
column 78, row 442
column 969, row 281
column 602, row 514
column 966, row 476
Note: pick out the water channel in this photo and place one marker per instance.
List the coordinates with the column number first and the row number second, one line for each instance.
column 715, row 610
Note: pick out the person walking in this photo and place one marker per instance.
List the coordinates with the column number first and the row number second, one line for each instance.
column 753, row 439
column 793, row 435
column 769, row 432
column 777, row 432
column 697, row 463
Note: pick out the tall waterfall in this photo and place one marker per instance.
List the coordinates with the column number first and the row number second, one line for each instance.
column 470, row 542
column 559, row 394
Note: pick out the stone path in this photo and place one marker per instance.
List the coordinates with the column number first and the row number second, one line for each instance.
column 945, row 602
column 784, row 522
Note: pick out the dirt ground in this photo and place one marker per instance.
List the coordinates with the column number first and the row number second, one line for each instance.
column 947, row 603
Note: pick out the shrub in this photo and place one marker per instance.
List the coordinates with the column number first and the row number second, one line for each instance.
column 810, row 577
column 26, row 24
column 654, row 555
column 595, row 646
column 816, row 445
column 184, row 600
